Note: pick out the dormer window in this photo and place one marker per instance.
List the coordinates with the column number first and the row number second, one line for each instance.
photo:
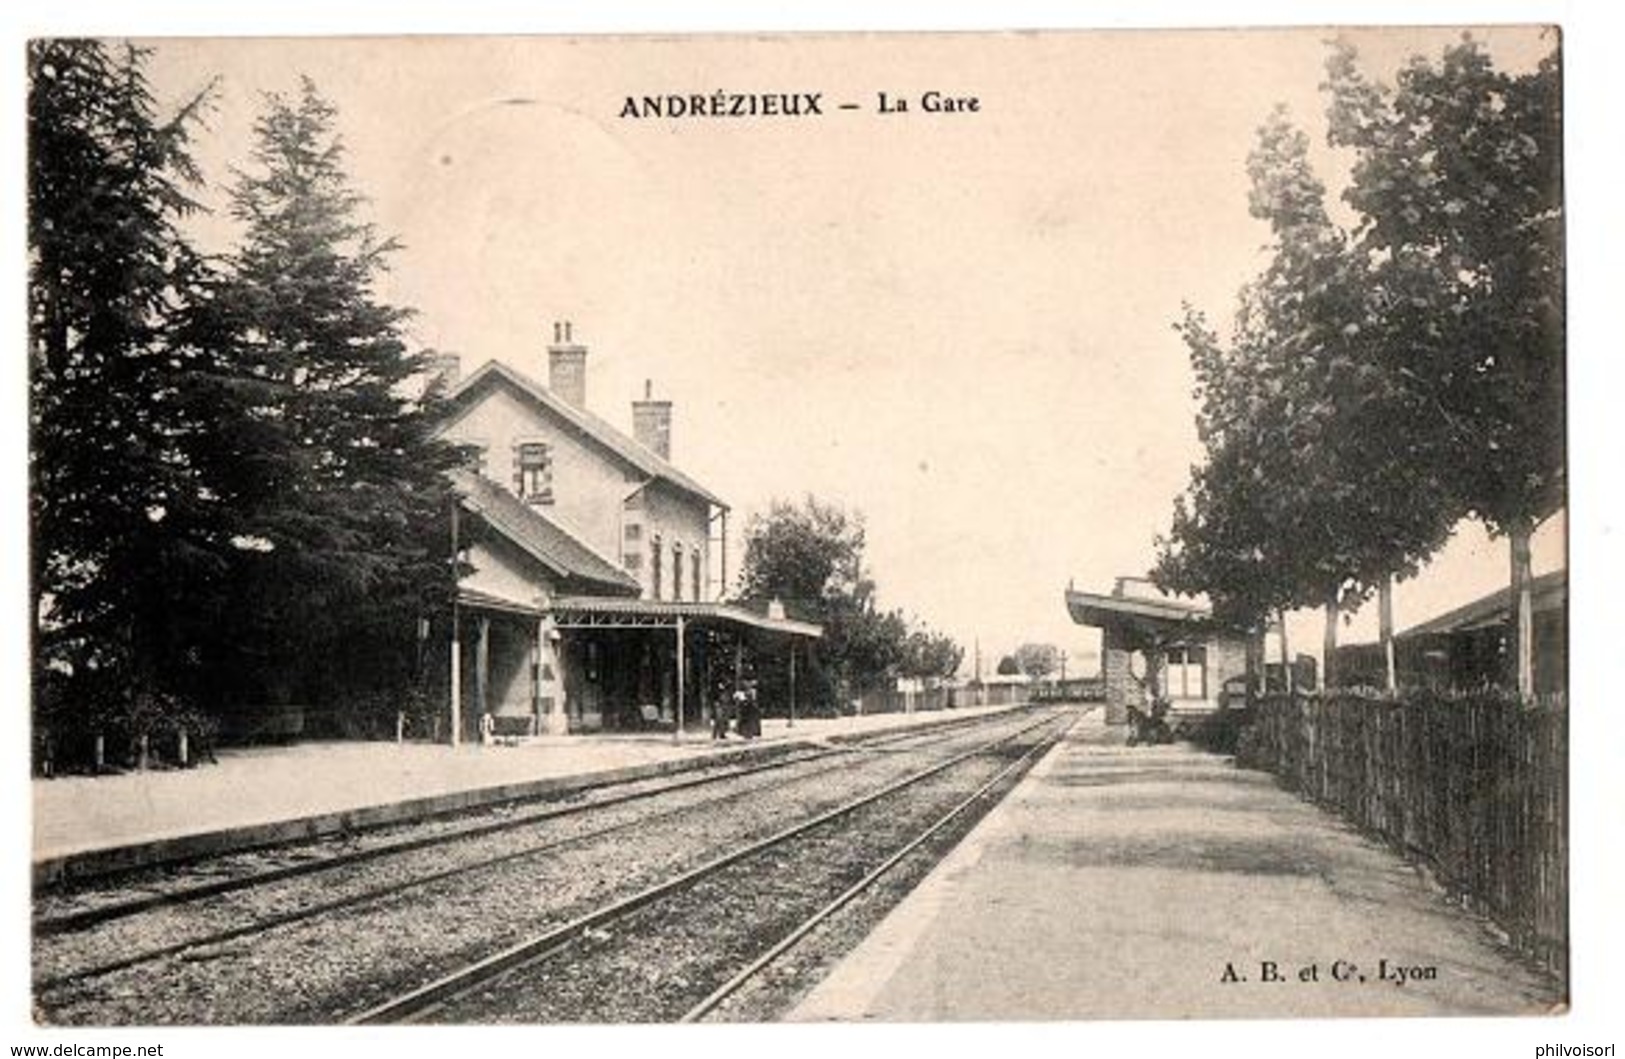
column 533, row 472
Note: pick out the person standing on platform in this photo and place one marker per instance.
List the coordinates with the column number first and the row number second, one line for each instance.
column 727, row 708
column 750, row 713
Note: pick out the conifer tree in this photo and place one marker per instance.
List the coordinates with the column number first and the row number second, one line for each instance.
column 343, row 539
column 126, row 533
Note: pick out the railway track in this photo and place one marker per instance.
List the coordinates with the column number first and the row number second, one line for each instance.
column 464, row 995
column 132, row 958
column 179, row 884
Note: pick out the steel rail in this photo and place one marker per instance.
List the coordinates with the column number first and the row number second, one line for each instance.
column 552, row 941
column 789, row 941
column 306, row 912
column 84, row 919
column 73, row 922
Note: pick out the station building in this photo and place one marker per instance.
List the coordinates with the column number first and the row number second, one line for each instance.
column 1469, row 647
column 1152, row 644
column 595, row 569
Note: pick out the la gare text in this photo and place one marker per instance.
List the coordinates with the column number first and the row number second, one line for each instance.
column 791, row 105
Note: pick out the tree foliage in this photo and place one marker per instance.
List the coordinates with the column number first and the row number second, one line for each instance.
column 1038, row 660
column 125, row 527
column 930, row 656
column 233, row 499
column 810, row 557
column 1458, row 180
column 1381, row 383
column 341, row 480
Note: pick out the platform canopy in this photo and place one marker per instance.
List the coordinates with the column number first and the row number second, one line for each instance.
column 1150, row 621
column 603, row 612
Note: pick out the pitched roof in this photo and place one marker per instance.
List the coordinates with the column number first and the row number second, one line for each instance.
column 1548, row 591
column 539, row 536
column 588, row 424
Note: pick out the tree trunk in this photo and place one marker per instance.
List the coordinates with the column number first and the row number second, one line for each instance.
column 1523, row 626
column 1328, row 644
column 1287, row 676
column 1385, row 632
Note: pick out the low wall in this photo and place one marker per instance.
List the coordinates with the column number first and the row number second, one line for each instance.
column 1476, row 787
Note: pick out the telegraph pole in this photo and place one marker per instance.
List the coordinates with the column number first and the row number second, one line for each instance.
column 456, row 637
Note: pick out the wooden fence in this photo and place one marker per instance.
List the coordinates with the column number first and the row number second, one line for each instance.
column 1475, row 786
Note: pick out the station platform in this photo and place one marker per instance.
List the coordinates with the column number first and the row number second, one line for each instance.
column 1163, row 882
column 85, row 825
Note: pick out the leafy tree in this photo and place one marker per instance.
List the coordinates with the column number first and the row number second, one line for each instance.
column 1362, row 491
column 125, row 529
column 1321, row 477
column 1008, row 666
column 810, row 557
column 1458, row 180
column 930, row 656
column 804, row 555
column 342, row 536
column 1038, row 660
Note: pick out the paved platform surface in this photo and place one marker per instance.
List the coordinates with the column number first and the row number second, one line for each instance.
column 1124, row 882
column 265, row 785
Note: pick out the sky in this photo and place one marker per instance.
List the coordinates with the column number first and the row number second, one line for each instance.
column 799, row 295
column 959, row 325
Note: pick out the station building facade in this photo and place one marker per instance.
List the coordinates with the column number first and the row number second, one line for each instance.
column 594, row 569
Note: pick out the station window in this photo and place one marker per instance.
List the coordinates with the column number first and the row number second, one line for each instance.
column 677, row 571
column 633, row 532
column 654, row 568
column 1185, row 674
column 698, row 595
column 633, row 561
column 533, row 471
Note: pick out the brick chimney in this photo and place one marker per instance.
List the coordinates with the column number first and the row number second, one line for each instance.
column 567, row 366
column 651, row 422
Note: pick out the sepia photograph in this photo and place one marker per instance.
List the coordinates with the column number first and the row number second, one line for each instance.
column 590, row 529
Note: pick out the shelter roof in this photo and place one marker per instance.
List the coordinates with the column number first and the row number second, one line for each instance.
column 1158, row 618
column 599, row 611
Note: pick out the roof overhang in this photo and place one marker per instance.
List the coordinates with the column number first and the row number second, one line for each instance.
column 474, row 599
column 1144, row 618
column 558, row 550
column 1548, row 592
column 596, row 612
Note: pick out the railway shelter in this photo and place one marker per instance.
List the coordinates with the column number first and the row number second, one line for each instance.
column 1154, row 646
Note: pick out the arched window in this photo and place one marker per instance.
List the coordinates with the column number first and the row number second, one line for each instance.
column 677, row 571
